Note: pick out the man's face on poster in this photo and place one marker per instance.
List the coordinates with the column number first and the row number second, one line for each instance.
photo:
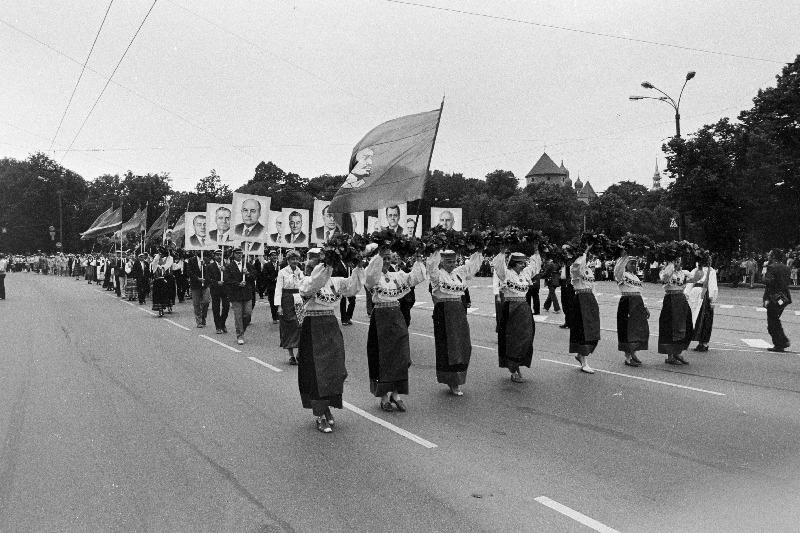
column 410, row 226
column 330, row 220
column 363, row 165
column 199, row 223
column 446, row 219
column 251, row 212
column 393, row 216
column 295, row 224
column 223, row 219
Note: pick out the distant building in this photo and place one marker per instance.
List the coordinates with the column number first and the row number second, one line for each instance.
column 546, row 171
column 656, row 179
column 586, row 193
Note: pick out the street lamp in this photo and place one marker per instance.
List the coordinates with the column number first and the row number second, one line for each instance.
column 677, row 107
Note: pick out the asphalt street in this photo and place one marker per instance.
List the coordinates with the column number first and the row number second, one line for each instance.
column 112, row 419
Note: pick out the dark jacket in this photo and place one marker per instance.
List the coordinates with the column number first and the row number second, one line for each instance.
column 213, row 277
column 777, row 282
column 233, row 276
column 552, row 275
column 196, row 274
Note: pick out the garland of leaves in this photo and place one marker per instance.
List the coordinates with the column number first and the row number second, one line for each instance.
column 635, row 244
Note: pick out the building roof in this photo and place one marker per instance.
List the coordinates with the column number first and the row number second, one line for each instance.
column 588, row 191
column 545, row 166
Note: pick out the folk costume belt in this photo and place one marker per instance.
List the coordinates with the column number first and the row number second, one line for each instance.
column 291, row 291
column 386, row 304
column 319, row 312
column 514, row 298
column 578, row 291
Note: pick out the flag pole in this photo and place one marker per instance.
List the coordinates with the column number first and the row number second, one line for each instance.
column 428, row 167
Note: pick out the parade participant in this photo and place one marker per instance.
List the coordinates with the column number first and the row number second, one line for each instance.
column 159, row 267
column 633, row 331
column 88, row 273
column 675, row 330
column 287, row 296
column 515, row 329
column 119, row 273
column 388, row 352
column 565, row 282
column 198, row 285
column 131, row 293
column 219, row 300
column 584, row 326
column 450, row 326
column 321, row 366
column 3, row 270
column 776, row 298
column 239, row 285
column 140, row 271
column 269, row 273
column 552, row 279
column 532, row 296
column 701, row 294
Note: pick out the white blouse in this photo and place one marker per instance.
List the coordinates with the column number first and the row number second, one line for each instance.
column 582, row 275
column 628, row 283
column 673, row 280
column 391, row 286
column 287, row 279
column 451, row 285
column 511, row 283
column 321, row 292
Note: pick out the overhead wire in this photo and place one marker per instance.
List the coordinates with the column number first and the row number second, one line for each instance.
column 109, row 78
column 586, row 32
column 83, row 69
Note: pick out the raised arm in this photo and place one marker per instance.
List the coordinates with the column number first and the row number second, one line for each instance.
column 373, row 271
column 666, row 274
column 318, row 278
column 619, row 269
column 351, row 286
column 433, row 265
column 499, row 264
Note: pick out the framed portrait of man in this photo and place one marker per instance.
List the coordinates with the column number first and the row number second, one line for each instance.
column 276, row 229
column 325, row 224
column 295, row 231
column 218, row 225
column 250, row 217
column 412, row 225
column 195, row 231
column 446, row 217
column 393, row 218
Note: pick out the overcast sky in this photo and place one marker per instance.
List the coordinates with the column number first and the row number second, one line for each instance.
column 225, row 85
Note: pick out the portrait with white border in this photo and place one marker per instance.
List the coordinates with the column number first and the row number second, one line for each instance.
column 250, row 217
column 295, row 227
column 447, row 217
column 393, row 217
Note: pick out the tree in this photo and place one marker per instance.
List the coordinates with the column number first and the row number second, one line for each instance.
column 211, row 189
column 501, row 183
column 324, row 187
column 631, row 193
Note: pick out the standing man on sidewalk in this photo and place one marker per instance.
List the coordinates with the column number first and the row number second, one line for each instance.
column 776, row 298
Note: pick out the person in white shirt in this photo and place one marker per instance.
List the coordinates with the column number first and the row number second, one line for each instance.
column 3, row 270
column 388, row 352
column 675, row 328
column 701, row 294
column 584, row 329
column 633, row 331
column 287, row 298
column 516, row 328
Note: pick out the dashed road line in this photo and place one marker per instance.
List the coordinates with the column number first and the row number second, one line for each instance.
column 176, row 324
column 640, row 378
column 215, row 341
column 757, row 343
column 575, row 515
column 149, row 312
column 262, row 363
column 400, row 431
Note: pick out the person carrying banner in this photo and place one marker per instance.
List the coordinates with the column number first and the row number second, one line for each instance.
column 450, row 326
column 584, row 328
column 288, row 297
column 675, row 328
column 515, row 328
column 321, row 360
column 239, row 283
column 199, row 287
column 388, row 352
column 633, row 331
column 219, row 300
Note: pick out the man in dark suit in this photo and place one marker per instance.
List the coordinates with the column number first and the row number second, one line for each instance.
column 250, row 228
column 776, row 298
column 393, row 219
column 198, row 287
column 269, row 275
column 140, row 271
column 219, row 299
column 296, row 235
column 329, row 227
column 238, row 283
column 119, row 273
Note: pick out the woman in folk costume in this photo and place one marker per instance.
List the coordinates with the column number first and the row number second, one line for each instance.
column 450, row 327
column 131, row 293
column 584, row 329
column 633, row 331
column 89, row 272
column 169, row 275
column 516, row 329
column 161, row 265
column 287, row 300
column 701, row 295
column 321, row 370
column 675, row 330
column 388, row 352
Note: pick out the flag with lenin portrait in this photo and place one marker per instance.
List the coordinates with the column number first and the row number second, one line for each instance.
column 389, row 165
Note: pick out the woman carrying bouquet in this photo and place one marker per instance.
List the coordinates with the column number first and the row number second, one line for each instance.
column 633, row 331
column 516, row 329
column 675, row 330
column 584, row 330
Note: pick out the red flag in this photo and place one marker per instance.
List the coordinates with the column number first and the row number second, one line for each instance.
column 389, row 165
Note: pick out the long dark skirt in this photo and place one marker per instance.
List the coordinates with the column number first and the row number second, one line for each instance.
column 290, row 326
column 88, row 274
column 584, row 325
column 131, row 293
column 567, row 298
column 172, row 288
column 675, row 330
column 320, row 364
column 452, row 339
column 515, row 333
column 705, row 321
column 388, row 352
column 633, row 331
column 160, row 294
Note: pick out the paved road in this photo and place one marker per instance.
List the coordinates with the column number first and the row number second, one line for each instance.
column 112, row 419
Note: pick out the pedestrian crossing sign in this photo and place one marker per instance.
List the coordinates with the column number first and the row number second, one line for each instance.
column 672, row 223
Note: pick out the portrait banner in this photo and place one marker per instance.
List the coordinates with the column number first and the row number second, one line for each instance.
column 195, row 230
column 393, row 217
column 324, row 223
column 250, row 247
column 296, row 222
column 446, row 217
column 373, row 225
column 276, row 229
column 357, row 223
column 250, row 217
column 412, row 225
column 218, row 225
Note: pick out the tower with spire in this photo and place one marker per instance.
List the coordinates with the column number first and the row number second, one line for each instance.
column 656, row 179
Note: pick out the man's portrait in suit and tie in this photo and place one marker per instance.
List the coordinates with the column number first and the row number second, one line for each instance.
column 328, row 229
column 250, row 229
column 222, row 219
column 446, row 217
column 199, row 224
column 277, row 237
column 391, row 217
column 296, row 235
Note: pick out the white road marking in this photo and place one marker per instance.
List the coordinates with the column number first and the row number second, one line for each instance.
column 575, row 515
column 726, row 307
column 147, row 311
column 176, row 324
column 262, row 363
column 539, row 318
column 471, row 310
column 419, row 304
column 387, row 425
column 231, row 348
column 130, row 303
column 640, row 378
column 761, row 309
column 797, row 313
column 757, row 343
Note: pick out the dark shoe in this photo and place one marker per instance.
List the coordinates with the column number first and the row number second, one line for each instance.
column 778, row 349
column 672, row 362
column 681, row 359
column 323, row 426
column 347, row 323
column 387, row 406
column 219, row 331
column 636, row 359
column 564, row 326
column 516, row 377
column 293, row 360
column 329, row 417
column 274, row 321
column 455, row 390
column 700, row 348
column 224, row 330
column 632, row 363
column 398, row 404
